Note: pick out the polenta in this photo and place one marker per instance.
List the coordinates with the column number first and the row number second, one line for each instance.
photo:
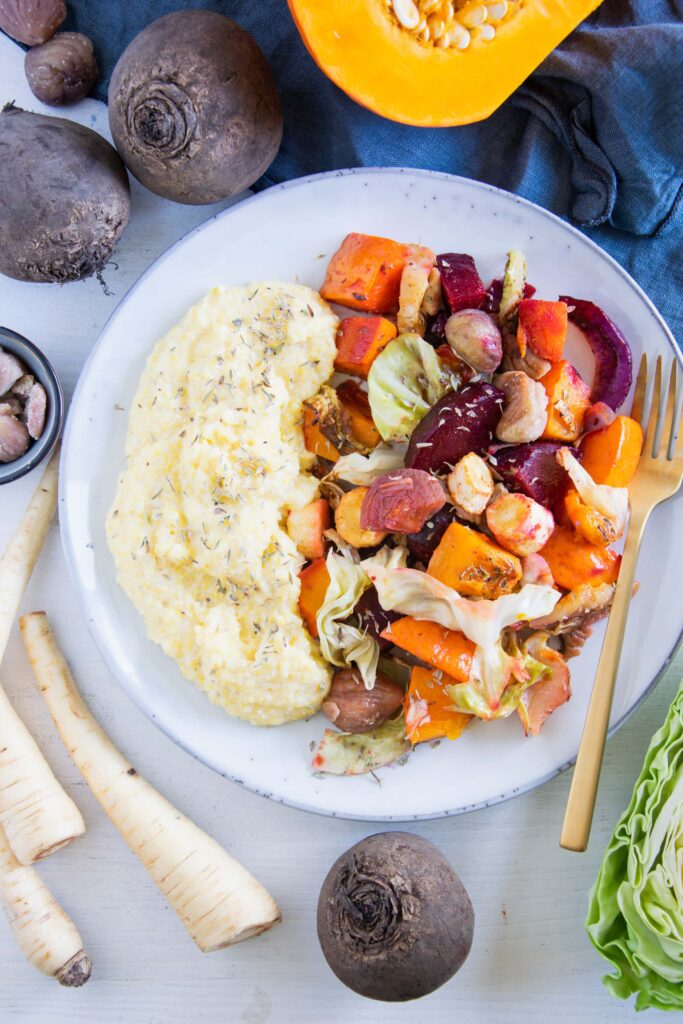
column 214, row 461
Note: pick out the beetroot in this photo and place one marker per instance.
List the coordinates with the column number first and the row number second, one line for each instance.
column 460, row 281
column 613, row 359
column 495, row 292
column 373, row 619
column 533, row 469
column 436, row 330
column 401, row 501
column 460, row 422
column 423, row 544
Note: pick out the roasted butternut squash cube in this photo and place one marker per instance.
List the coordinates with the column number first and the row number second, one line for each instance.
column 542, row 326
column 568, row 400
column 470, row 563
column 360, row 339
column 315, row 579
column 365, row 273
column 429, row 711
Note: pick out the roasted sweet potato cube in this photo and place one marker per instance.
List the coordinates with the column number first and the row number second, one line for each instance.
column 568, row 400
column 315, row 580
column 429, row 711
column 365, row 273
column 306, row 527
column 445, row 649
column 470, row 563
column 542, row 326
column 360, row 339
column 611, row 455
column 355, row 401
column 574, row 561
column 314, row 439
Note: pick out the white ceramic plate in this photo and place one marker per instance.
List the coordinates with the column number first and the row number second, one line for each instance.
column 288, row 232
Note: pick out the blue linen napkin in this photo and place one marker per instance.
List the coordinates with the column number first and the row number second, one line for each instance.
column 595, row 135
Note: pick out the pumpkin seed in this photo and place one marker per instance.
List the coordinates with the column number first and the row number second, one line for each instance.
column 473, row 15
column 429, row 6
column 486, row 32
column 436, row 27
column 497, row 11
column 459, row 36
column 407, row 13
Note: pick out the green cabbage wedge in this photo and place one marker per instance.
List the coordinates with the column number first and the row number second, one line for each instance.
column 635, row 918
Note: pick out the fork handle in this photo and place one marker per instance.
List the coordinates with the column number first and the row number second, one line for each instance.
column 581, row 803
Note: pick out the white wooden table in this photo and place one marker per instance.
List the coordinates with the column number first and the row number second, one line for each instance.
column 531, row 960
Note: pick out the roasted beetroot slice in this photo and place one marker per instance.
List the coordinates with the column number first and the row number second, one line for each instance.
column 495, row 292
column 533, row 469
column 461, row 422
column 613, row 359
column 460, row 281
column 373, row 619
column 436, row 328
column 422, row 545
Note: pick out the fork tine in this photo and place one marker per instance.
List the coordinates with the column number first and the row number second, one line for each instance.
column 649, row 446
column 639, row 393
column 668, row 414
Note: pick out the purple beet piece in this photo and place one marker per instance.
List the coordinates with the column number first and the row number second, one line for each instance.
column 533, row 469
column 436, row 330
column 613, row 359
column 495, row 292
column 373, row 618
column 460, row 422
column 460, row 281
column 422, row 545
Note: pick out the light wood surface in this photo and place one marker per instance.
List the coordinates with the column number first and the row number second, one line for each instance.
column 531, row 962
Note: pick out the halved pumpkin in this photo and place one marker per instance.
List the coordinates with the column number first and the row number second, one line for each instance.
column 433, row 62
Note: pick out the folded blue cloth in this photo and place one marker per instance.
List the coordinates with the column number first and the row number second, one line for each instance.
column 595, row 135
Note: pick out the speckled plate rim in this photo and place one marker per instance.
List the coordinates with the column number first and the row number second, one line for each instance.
column 67, row 540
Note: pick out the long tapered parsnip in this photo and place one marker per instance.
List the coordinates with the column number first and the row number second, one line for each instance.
column 37, row 815
column 48, row 938
column 217, row 899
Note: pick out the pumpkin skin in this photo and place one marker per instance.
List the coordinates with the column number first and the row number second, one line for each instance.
column 382, row 66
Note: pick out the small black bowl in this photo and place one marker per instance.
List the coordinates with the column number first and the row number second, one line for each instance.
column 41, row 368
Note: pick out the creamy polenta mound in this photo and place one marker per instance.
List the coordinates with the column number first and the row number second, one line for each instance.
column 215, row 459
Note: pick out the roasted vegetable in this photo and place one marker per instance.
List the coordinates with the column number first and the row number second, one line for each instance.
column 394, row 920
column 613, row 359
column 414, row 285
column 354, row 402
column 460, row 282
column 348, row 520
column 359, row 340
column 461, row 422
column 193, row 108
column 520, row 524
column 344, row 753
column 474, row 338
column 568, row 400
column 575, row 614
column 429, row 710
column 573, row 561
column 362, row 470
column 315, row 579
column 405, row 381
column 325, row 414
column 550, row 692
column 470, row 563
column 424, row 543
column 444, row 649
column 402, row 501
column 542, row 326
column 470, row 485
column 306, row 526
column 365, row 273
column 64, row 195
column 352, row 708
column 514, row 281
column 524, row 410
column 611, row 455
column 373, row 619
column 532, row 469
column 494, row 294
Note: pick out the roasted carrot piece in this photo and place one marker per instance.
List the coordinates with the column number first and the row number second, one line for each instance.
column 542, row 326
column 306, row 526
column 574, row 561
column 315, row 579
column 445, row 649
column 472, row 564
column 429, row 711
column 365, row 273
column 314, row 439
column 590, row 524
column 360, row 339
column 355, row 401
column 568, row 400
column 611, row 455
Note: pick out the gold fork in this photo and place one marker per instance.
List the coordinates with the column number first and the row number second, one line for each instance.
column 657, row 478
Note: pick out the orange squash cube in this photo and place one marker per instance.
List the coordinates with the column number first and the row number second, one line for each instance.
column 568, row 400
column 306, row 526
column 574, row 561
column 445, row 649
column 470, row 563
column 355, row 403
column 542, row 326
column 360, row 339
column 314, row 439
column 315, row 579
column 429, row 711
column 365, row 274
column 611, row 455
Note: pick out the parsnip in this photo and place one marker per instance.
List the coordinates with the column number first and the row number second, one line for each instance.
column 217, row 900
column 48, row 938
column 37, row 815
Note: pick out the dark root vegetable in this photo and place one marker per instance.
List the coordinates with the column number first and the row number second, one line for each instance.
column 613, row 359
column 193, row 108
column 63, row 70
column 31, row 21
column 394, row 920
column 64, row 195
column 372, row 618
column 401, row 501
column 424, row 543
column 533, row 470
column 461, row 422
column 460, row 281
